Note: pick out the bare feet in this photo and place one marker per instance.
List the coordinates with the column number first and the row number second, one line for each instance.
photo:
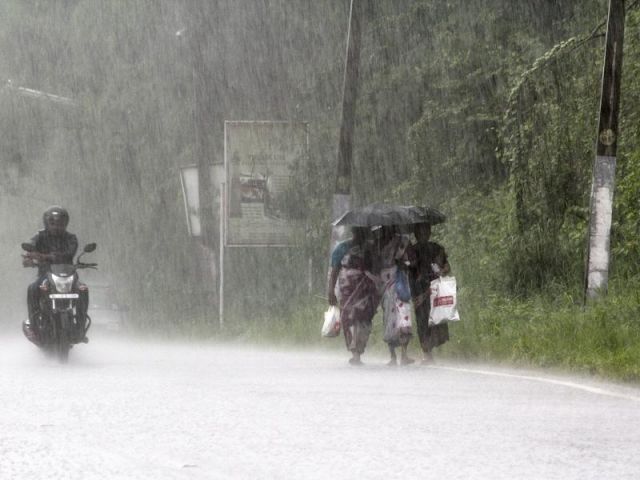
column 427, row 359
column 405, row 360
column 355, row 360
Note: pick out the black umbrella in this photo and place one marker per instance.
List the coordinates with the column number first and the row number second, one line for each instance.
column 382, row 214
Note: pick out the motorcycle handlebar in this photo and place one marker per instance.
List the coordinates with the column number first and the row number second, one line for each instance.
column 87, row 265
column 35, row 264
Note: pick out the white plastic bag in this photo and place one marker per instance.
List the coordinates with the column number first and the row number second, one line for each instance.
column 399, row 321
column 331, row 325
column 443, row 301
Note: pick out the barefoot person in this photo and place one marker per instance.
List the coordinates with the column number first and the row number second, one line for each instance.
column 351, row 270
column 430, row 263
column 390, row 255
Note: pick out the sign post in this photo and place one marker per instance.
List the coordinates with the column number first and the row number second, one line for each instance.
column 256, row 208
column 221, row 259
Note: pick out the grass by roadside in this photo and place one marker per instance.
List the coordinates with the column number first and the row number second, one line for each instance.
column 602, row 339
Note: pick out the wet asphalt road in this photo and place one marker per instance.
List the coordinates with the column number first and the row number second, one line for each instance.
column 129, row 410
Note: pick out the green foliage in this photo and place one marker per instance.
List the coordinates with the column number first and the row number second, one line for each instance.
column 626, row 227
column 550, row 154
column 461, row 102
column 554, row 331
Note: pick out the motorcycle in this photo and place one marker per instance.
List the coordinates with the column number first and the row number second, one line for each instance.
column 60, row 323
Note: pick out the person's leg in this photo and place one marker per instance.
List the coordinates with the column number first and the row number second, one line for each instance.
column 422, row 322
column 30, row 325
column 405, row 359
column 436, row 335
column 364, row 331
column 353, row 346
column 81, row 314
column 361, row 337
column 427, row 358
column 355, row 358
column 427, row 348
column 350, row 332
column 389, row 335
column 424, row 333
column 348, row 336
column 33, row 299
column 393, row 361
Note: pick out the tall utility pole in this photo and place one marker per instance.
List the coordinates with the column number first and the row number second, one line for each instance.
column 604, row 168
column 342, row 192
column 202, row 124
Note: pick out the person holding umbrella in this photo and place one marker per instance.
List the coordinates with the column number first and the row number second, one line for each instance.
column 391, row 253
column 430, row 263
column 351, row 263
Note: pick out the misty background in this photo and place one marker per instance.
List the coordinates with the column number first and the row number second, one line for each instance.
column 485, row 109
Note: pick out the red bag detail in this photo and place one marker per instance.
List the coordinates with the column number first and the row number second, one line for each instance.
column 440, row 301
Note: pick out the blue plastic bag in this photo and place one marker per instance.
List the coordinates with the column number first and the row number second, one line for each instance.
column 402, row 286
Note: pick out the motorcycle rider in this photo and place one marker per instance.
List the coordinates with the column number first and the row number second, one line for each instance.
column 52, row 245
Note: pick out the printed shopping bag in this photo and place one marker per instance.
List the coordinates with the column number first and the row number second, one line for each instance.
column 443, row 301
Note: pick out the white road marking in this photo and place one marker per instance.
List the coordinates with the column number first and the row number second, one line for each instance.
column 564, row 383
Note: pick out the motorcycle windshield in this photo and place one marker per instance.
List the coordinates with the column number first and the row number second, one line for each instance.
column 62, row 269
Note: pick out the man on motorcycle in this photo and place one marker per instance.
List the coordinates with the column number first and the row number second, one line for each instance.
column 51, row 246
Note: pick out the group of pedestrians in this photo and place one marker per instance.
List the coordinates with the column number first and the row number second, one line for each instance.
column 365, row 273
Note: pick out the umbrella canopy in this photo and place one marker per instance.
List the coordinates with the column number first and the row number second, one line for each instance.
column 383, row 214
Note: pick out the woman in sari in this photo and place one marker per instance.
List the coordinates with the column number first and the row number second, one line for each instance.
column 358, row 295
column 391, row 255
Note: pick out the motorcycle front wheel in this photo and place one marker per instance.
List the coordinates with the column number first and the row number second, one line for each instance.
column 63, row 345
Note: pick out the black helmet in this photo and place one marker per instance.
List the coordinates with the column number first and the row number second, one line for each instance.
column 57, row 214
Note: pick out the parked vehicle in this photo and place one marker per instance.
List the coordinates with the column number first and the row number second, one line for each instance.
column 61, row 322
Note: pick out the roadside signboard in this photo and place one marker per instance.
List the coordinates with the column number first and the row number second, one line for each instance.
column 260, row 160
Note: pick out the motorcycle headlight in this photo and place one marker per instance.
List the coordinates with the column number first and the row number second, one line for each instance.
column 63, row 284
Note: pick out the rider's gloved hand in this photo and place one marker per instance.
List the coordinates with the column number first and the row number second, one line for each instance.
column 37, row 257
column 41, row 257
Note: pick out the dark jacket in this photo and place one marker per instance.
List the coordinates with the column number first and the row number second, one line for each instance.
column 63, row 247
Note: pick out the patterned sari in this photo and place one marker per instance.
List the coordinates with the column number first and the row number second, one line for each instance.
column 392, row 306
column 358, row 299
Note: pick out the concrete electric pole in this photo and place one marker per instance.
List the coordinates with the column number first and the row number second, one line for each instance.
column 342, row 192
column 604, row 168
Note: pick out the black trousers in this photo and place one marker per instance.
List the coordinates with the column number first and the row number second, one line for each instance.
column 33, row 297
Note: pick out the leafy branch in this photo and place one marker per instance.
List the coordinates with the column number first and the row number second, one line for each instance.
column 565, row 47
